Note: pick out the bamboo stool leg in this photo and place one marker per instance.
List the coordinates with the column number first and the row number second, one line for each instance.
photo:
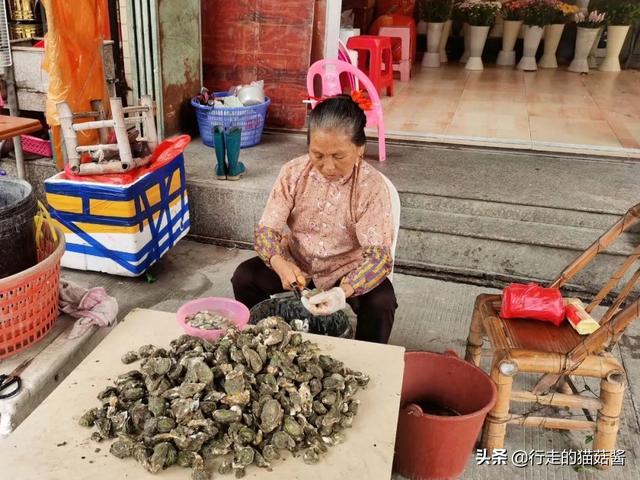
column 120, row 128
column 96, row 106
column 476, row 338
column 608, row 423
column 149, row 122
column 496, row 426
column 68, row 133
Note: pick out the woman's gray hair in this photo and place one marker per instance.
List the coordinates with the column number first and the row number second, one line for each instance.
column 339, row 113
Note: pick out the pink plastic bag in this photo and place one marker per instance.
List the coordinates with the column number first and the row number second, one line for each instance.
column 532, row 302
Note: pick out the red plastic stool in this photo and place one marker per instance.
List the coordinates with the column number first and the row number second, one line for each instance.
column 375, row 59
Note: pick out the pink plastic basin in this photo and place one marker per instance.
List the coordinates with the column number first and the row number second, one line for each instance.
column 235, row 311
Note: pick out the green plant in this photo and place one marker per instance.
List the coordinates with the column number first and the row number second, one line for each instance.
column 478, row 13
column 619, row 12
column 435, row 11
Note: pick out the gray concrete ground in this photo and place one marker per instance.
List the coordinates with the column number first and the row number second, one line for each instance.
column 433, row 315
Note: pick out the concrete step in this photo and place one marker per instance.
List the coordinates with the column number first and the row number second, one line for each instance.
column 493, row 263
column 480, row 217
column 574, row 217
column 486, row 249
column 507, row 230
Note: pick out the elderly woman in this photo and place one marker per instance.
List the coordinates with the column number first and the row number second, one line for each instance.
column 328, row 224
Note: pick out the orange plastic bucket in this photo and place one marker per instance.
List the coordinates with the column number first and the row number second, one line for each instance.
column 444, row 403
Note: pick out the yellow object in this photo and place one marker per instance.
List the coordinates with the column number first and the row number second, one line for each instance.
column 65, row 203
column 73, row 60
column 578, row 318
column 43, row 218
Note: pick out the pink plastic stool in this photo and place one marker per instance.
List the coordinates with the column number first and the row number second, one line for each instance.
column 394, row 20
column 329, row 72
column 404, row 64
column 375, row 59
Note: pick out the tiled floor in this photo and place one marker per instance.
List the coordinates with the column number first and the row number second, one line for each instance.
column 546, row 110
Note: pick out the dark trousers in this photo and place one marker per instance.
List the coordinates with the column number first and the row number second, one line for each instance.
column 254, row 282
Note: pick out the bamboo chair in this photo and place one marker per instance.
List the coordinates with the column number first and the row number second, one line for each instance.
column 138, row 115
column 557, row 352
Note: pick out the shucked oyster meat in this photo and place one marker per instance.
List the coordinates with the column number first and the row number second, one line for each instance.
column 208, row 320
column 241, row 401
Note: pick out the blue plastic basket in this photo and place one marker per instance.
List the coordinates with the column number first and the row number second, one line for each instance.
column 250, row 119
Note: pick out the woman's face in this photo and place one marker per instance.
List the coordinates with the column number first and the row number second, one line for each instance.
column 333, row 153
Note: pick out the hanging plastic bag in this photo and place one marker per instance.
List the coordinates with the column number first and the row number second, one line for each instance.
column 74, row 64
column 532, row 302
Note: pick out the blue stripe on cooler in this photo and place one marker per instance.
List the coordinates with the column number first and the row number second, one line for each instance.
column 124, row 259
column 128, row 260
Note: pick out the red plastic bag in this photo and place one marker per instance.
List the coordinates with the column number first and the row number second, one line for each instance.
column 533, row 302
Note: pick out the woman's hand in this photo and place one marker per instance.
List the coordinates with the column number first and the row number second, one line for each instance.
column 326, row 303
column 288, row 272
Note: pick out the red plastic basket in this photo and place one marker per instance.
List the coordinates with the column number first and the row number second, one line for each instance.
column 36, row 145
column 29, row 299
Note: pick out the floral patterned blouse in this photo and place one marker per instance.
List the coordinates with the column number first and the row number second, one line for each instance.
column 333, row 230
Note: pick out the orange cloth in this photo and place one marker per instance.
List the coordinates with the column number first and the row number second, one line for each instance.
column 73, row 60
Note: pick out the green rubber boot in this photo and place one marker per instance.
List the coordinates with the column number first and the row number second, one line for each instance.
column 232, row 141
column 219, row 145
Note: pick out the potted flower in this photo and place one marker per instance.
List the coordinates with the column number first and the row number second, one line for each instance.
column 479, row 15
column 436, row 13
column 512, row 11
column 535, row 15
column 588, row 29
column 620, row 15
column 561, row 14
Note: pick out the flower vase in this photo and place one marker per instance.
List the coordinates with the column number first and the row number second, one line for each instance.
column 616, row 35
column 532, row 38
column 434, row 33
column 444, row 38
column 584, row 41
column 510, row 32
column 466, row 32
column 477, row 39
column 593, row 62
column 552, row 36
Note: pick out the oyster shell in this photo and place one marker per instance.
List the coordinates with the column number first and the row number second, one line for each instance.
column 130, row 357
column 270, row 416
column 122, row 448
column 248, row 395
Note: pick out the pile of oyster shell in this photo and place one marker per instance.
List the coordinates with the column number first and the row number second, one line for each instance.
column 236, row 402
